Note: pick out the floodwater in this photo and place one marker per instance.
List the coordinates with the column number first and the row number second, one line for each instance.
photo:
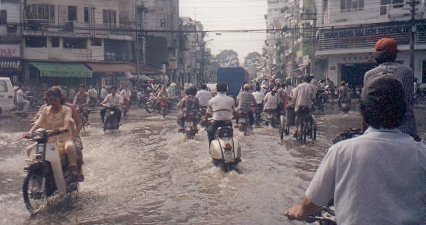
column 147, row 173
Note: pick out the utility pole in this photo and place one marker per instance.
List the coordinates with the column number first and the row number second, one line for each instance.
column 413, row 9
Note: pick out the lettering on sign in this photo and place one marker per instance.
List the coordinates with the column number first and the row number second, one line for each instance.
column 10, row 51
column 368, row 31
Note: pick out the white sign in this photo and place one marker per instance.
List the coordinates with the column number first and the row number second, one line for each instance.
column 10, row 51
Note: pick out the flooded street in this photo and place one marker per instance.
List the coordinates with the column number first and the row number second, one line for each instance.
column 147, row 173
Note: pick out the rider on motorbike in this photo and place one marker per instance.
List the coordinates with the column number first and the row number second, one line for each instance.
column 21, row 98
column 245, row 101
column 204, row 96
column 56, row 115
column 221, row 108
column 303, row 96
column 259, row 97
column 82, row 99
column 113, row 101
column 343, row 94
column 189, row 106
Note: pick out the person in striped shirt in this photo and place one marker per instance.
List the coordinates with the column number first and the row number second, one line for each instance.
column 385, row 55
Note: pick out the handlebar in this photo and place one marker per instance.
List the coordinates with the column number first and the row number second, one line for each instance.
column 40, row 133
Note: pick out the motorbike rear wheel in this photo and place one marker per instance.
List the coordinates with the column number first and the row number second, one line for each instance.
column 35, row 199
column 149, row 106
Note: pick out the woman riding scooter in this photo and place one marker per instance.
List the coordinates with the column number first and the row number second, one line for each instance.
column 59, row 116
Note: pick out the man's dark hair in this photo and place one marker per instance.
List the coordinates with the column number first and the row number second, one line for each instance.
column 257, row 88
column 82, row 86
column 203, row 86
column 308, row 78
column 113, row 87
column 384, row 57
column 191, row 91
column 221, row 87
column 383, row 102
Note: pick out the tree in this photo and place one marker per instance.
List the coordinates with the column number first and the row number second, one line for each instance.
column 227, row 58
column 252, row 59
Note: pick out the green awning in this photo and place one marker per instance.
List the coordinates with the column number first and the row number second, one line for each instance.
column 62, row 69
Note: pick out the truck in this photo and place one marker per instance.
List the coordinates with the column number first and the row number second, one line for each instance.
column 234, row 77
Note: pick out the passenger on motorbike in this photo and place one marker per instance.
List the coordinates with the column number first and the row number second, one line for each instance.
column 113, row 101
column 82, row 99
column 343, row 93
column 304, row 95
column 22, row 98
column 245, row 102
column 56, row 115
column 189, row 107
column 221, row 108
column 125, row 94
column 378, row 177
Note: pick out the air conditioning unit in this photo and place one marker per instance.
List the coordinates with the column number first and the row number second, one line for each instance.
column 69, row 27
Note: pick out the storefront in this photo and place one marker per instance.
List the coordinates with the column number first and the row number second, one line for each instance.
column 10, row 62
column 349, row 52
column 109, row 74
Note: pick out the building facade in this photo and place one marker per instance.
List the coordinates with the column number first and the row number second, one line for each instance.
column 346, row 41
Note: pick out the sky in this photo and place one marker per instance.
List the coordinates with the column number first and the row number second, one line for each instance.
column 229, row 15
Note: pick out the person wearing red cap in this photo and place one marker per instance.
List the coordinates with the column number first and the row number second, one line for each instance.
column 385, row 55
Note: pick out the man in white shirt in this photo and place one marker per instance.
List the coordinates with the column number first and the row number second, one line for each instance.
column 104, row 93
column 112, row 101
column 376, row 178
column 21, row 99
column 259, row 96
column 204, row 96
column 221, row 108
column 303, row 96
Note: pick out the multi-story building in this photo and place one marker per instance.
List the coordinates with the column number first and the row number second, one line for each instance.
column 192, row 56
column 10, row 39
column 351, row 28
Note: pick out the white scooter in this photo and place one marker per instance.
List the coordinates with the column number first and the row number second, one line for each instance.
column 225, row 150
column 45, row 174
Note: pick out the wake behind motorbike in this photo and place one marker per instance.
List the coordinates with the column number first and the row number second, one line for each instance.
column 46, row 175
column 225, row 150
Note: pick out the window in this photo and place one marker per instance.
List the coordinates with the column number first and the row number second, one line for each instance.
column 3, row 17
column 3, row 86
column 351, row 5
column 385, row 3
column 55, row 42
column 41, row 13
column 86, row 14
column 72, row 13
column 36, row 42
column 96, row 42
column 75, row 43
column 109, row 17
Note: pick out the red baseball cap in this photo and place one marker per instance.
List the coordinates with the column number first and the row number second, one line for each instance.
column 386, row 45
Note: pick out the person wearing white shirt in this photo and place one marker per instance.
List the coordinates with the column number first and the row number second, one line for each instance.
column 221, row 108
column 204, row 96
column 259, row 96
column 376, row 178
column 21, row 98
column 112, row 101
column 104, row 93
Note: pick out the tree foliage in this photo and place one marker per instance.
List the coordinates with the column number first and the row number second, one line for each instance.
column 227, row 58
column 252, row 59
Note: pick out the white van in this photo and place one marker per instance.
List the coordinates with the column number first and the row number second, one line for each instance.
column 6, row 95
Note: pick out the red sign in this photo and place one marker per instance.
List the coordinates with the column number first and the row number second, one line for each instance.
column 10, row 51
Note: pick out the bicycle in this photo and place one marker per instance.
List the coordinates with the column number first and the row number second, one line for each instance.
column 307, row 125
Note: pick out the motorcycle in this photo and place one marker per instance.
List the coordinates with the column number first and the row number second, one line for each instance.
column 225, row 150
column 18, row 111
column 111, row 120
column 189, row 128
column 203, row 111
column 327, row 216
column 243, row 123
column 258, row 114
column 164, row 106
column 84, row 116
column 271, row 118
column 46, row 175
column 93, row 101
column 345, row 106
column 348, row 134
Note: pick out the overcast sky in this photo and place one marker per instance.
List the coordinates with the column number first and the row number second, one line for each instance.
column 229, row 15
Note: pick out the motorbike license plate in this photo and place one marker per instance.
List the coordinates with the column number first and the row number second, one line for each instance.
column 188, row 123
column 243, row 120
column 228, row 156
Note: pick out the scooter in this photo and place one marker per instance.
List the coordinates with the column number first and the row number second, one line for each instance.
column 111, row 120
column 225, row 150
column 18, row 111
column 45, row 173
column 164, row 106
column 84, row 115
column 271, row 118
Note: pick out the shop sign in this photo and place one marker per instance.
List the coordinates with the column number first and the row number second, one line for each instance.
column 367, row 31
column 10, row 51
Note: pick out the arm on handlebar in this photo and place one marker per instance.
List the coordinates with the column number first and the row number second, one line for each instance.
column 303, row 211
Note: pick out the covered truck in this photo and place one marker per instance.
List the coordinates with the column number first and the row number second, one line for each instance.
column 234, row 77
